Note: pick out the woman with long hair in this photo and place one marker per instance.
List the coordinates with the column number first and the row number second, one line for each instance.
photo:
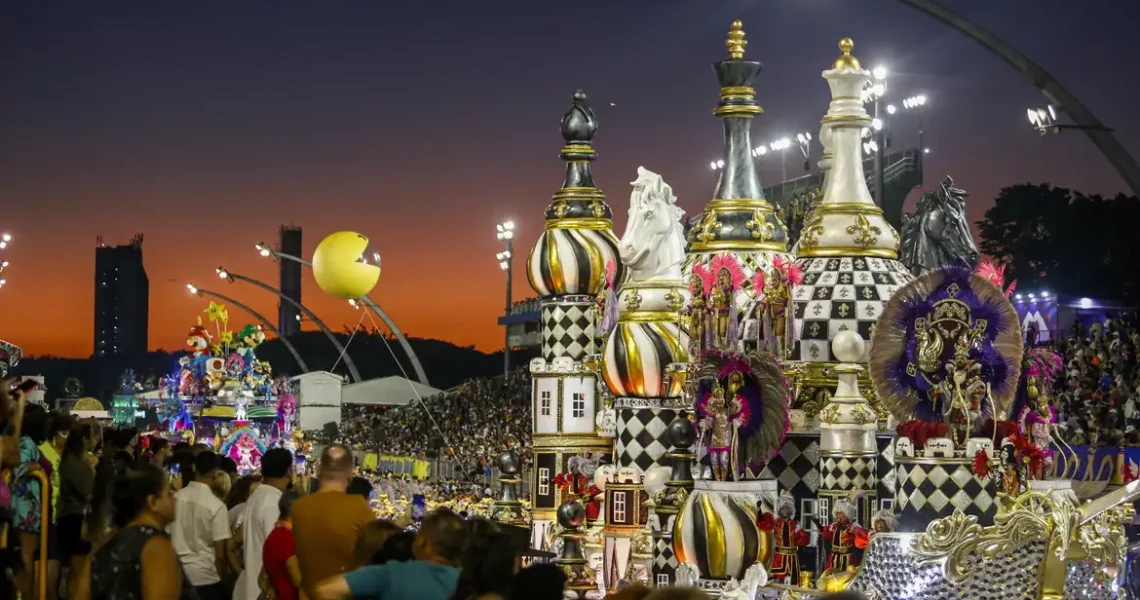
column 76, row 484
column 138, row 562
column 29, row 501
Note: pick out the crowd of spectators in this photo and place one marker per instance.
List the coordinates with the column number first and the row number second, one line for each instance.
column 1097, row 398
column 479, row 421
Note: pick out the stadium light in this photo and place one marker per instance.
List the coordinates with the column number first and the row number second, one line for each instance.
column 1085, row 303
column 891, row 109
column 263, row 249
column 191, row 288
column 506, row 233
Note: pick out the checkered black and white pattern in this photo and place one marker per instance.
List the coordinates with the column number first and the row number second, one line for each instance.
column 664, row 560
column 796, row 466
column 641, row 438
column 841, row 294
column 885, row 469
column 926, row 490
column 845, row 473
column 568, row 329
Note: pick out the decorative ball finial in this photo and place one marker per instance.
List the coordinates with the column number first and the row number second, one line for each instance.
column 736, row 41
column 509, row 463
column 848, row 347
column 571, row 514
column 846, row 61
column 681, row 433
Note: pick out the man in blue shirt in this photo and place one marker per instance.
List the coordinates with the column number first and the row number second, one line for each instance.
column 433, row 574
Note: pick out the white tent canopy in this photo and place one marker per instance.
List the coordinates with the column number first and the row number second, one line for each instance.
column 394, row 391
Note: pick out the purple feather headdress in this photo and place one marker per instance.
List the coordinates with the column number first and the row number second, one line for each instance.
column 995, row 353
column 765, row 396
column 1044, row 364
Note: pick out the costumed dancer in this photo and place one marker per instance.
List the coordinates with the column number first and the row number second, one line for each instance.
column 580, row 484
column 729, row 277
column 700, row 284
column 605, row 304
column 844, row 536
column 742, row 411
column 789, row 538
column 777, row 297
column 1035, row 420
column 721, row 418
column 883, row 522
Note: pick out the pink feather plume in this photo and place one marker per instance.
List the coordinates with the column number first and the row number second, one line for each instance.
column 758, row 283
column 706, row 277
column 611, row 271
column 792, row 272
column 729, row 263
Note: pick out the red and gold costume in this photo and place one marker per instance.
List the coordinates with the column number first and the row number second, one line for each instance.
column 845, row 537
column 789, row 537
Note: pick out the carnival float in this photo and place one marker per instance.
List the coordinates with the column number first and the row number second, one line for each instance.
column 852, row 409
column 222, row 395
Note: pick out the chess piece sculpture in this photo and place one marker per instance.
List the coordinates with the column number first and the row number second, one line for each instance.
column 938, row 234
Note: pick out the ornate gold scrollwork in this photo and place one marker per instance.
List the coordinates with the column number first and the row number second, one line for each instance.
column 863, row 230
column 675, row 300
column 1105, row 541
column 960, row 544
column 709, row 228
column 809, row 237
column 633, row 301
column 760, row 227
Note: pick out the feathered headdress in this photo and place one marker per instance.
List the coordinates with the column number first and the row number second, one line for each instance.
column 758, row 284
column 792, row 272
column 946, row 294
column 706, row 277
column 765, row 392
column 995, row 274
column 1044, row 364
column 728, row 263
column 611, row 272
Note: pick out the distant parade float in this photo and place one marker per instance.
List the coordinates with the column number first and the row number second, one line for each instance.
column 854, row 412
column 222, row 395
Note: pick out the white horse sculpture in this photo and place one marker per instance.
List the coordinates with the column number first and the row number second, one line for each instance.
column 653, row 245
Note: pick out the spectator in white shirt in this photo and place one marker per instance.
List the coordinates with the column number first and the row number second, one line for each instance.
column 261, row 514
column 201, row 529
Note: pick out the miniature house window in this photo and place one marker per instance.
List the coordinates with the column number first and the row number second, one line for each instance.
column 619, row 507
column 808, row 509
column 544, row 482
column 662, row 580
column 578, row 409
column 545, row 400
column 887, row 504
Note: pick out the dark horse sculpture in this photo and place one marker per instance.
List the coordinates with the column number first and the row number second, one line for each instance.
column 937, row 233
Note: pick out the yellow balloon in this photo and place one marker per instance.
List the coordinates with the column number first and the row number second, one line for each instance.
column 341, row 267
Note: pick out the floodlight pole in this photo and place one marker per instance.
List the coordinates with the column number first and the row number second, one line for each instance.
column 399, row 335
column 1100, row 135
column 308, row 313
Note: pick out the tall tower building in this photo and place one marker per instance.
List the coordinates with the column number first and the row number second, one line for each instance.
column 122, row 299
column 289, row 281
column 567, row 269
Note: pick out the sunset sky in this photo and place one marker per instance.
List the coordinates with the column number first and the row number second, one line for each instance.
column 205, row 125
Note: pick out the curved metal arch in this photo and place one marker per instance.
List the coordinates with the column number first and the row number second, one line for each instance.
column 419, row 369
column 268, row 325
column 1100, row 135
column 308, row 313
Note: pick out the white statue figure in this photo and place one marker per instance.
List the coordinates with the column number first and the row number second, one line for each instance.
column 755, row 577
column 653, row 245
column 687, row 574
